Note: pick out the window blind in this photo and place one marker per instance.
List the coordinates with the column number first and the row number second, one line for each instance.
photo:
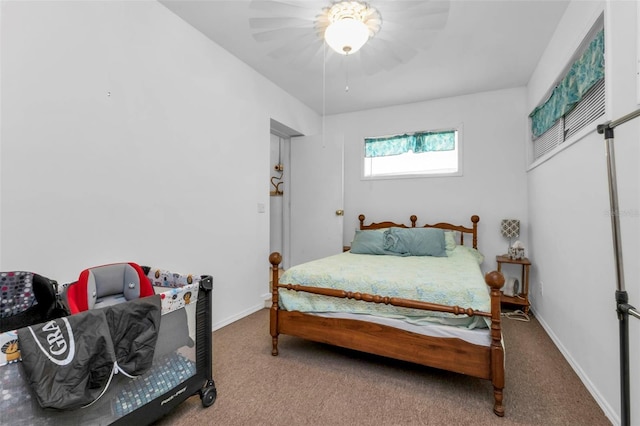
column 584, row 73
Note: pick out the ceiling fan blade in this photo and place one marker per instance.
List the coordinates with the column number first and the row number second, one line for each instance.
column 296, row 9
column 420, row 38
column 309, row 57
column 411, row 9
column 433, row 22
column 282, row 34
column 294, row 47
column 280, row 22
column 392, row 52
column 292, row 28
column 371, row 63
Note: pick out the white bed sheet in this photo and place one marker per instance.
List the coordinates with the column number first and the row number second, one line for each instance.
column 476, row 336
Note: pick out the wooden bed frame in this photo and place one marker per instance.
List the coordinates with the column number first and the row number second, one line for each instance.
column 452, row 354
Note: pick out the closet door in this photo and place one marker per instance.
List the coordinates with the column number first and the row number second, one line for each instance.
column 316, row 199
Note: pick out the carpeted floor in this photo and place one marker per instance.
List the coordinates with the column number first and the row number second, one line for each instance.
column 315, row 384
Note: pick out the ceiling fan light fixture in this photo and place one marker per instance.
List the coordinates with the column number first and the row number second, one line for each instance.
column 346, row 36
column 350, row 25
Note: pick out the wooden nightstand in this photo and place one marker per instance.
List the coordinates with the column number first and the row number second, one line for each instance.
column 521, row 299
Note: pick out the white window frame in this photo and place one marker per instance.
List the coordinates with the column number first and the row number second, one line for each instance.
column 459, row 148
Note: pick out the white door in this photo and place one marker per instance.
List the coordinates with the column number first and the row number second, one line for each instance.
column 316, row 198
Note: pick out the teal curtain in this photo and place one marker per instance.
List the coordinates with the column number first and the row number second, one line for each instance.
column 583, row 74
column 416, row 142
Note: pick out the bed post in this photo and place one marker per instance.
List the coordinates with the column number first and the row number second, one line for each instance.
column 275, row 258
column 495, row 280
column 413, row 220
column 475, row 219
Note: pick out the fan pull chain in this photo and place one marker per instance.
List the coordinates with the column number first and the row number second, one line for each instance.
column 324, row 88
column 346, row 67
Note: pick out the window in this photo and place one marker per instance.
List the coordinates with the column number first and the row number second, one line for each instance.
column 434, row 153
column 576, row 102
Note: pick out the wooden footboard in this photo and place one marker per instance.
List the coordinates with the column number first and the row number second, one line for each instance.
column 452, row 354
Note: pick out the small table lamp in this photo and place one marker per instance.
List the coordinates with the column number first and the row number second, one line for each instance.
column 510, row 228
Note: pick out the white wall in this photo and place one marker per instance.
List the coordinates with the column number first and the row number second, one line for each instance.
column 493, row 184
column 573, row 275
column 128, row 136
column 125, row 137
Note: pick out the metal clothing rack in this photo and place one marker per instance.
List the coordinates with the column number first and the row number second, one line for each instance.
column 624, row 309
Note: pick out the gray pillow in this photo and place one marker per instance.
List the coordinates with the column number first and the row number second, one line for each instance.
column 369, row 242
column 415, row 241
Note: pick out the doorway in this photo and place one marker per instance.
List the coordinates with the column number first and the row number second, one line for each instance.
column 306, row 209
column 278, row 169
column 279, row 213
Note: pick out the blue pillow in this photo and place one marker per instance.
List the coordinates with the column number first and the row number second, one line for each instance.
column 369, row 242
column 415, row 241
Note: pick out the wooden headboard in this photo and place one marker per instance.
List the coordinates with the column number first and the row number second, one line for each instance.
column 387, row 224
column 462, row 230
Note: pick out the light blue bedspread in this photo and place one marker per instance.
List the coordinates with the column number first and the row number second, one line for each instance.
column 455, row 280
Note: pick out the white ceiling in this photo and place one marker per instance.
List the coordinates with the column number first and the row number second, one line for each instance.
column 481, row 45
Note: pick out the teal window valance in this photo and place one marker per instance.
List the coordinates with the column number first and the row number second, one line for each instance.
column 584, row 73
column 417, row 142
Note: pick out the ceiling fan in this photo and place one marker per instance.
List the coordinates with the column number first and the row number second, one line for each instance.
column 294, row 31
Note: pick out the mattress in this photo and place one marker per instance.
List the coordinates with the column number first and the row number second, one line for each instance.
column 477, row 336
column 454, row 280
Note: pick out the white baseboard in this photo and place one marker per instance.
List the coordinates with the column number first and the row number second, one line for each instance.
column 267, row 300
column 238, row 316
column 608, row 410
